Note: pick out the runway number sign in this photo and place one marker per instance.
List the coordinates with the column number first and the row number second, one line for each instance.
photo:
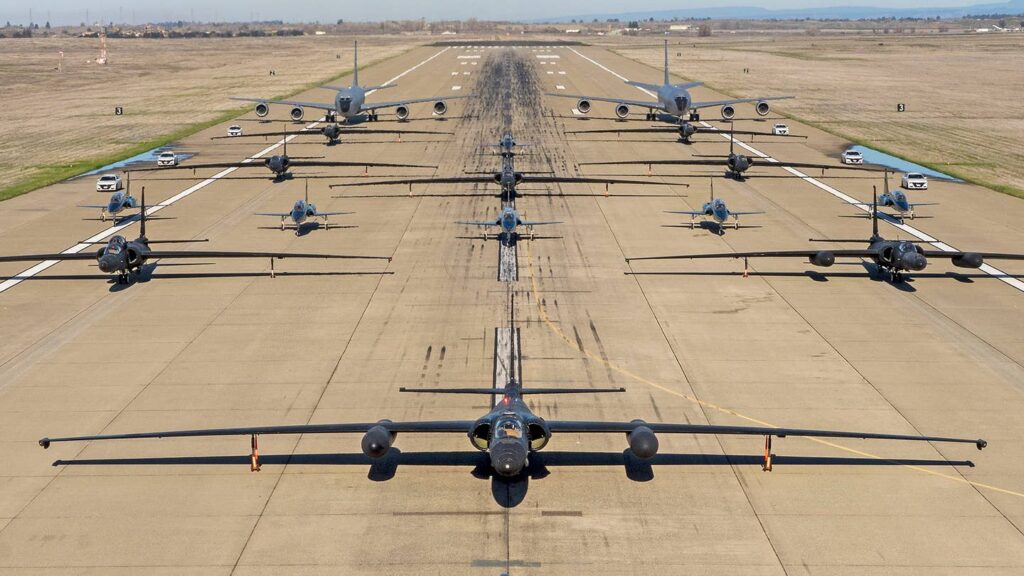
column 901, row 107
column 118, row 110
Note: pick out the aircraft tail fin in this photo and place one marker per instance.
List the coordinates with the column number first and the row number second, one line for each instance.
column 666, row 62
column 355, row 63
column 142, row 214
column 874, row 210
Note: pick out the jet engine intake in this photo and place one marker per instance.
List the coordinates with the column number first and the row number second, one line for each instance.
column 440, row 108
column 583, row 106
column 762, row 108
column 262, row 109
column 968, row 260
column 728, row 112
column 402, row 112
column 622, row 110
column 643, row 441
column 378, row 440
column 823, row 259
column 134, row 259
column 297, row 113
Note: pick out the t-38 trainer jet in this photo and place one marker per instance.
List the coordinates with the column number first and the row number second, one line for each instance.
column 509, row 221
column 716, row 209
column 302, row 212
column 118, row 203
column 125, row 258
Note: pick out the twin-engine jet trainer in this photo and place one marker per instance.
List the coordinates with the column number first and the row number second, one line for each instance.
column 672, row 99
column 717, row 210
column 302, row 211
column 281, row 164
column 509, row 221
column 118, row 203
column 893, row 257
column 332, row 131
column 735, row 164
column 126, row 257
column 350, row 101
column 898, row 201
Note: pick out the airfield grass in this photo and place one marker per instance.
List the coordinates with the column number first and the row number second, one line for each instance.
column 62, row 124
column 964, row 116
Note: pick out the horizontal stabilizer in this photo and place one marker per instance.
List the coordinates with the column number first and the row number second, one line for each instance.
column 502, row 390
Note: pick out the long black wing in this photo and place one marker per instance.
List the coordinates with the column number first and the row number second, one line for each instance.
column 461, row 426
column 438, row 180
column 865, row 253
column 85, row 255
column 224, row 254
column 528, row 178
column 626, row 427
column 301, row 163
column 720, row 162
column 984, row 255
column 319, row 133
column 667, row 130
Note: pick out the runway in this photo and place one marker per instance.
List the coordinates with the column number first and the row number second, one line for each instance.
column 223, row 344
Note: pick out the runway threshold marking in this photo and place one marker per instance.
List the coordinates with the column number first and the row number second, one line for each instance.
column 612, row 366
column 571, row 342
column 920, row 235
column 101, row 236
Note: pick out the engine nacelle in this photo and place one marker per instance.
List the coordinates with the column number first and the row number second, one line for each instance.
column 643, row 441
column 539, row 434
column 686, row 130
column 728, row 112
column 440, row 108
column 480, row 434
column 583, row 106
column 134, row 258
column 402, row 112
column 823, row 259
column 762, row 108
column 262, row 109
column 297, row 113
column 968, row 260
column 622, row 110
column 101, row 252
column 378, row 440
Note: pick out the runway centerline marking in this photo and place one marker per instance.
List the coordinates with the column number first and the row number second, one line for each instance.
column 920, row 235
column 99, row 237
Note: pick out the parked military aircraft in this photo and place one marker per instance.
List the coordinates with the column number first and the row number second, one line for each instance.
column 510, row 431
column 735, row 164
column 281, row 164
column 717, row 210
column 673, row 99
column 685, row 130
column 509, row 221
column 897, row 199
column 893, row 257
column 301, row 212
column 350, row 101
column 126, row 257
column 332, row 131
column 118, row 203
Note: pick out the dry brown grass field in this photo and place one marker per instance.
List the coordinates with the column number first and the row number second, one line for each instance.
column 55, row 118
column 965, row 113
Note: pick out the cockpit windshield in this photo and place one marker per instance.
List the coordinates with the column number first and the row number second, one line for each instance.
column 508, row 427
column 298, row 206
column 115, row 245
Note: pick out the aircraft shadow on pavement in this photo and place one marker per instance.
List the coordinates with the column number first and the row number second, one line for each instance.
column 306, row 227
column 905, row 285
column 713, row 227
column 147, row 276
column 510, row 492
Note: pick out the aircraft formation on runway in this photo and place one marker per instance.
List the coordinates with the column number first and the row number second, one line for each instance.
column 510, row 431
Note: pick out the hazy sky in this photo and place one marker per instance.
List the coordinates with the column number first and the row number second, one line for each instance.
column 74, row 11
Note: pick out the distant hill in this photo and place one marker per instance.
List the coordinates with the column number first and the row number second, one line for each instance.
column 824, row 13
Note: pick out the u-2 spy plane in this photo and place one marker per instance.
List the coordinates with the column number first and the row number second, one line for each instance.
column 672, row 99
column 893, row 257
column 510, row 432
column 302, row 211
column 685, row 130
column 125, row 258
column 717, row 210
column 735, row 164
column 118, row 203
column 509, row 221
column 350, row 101
column 332, row 131
column 281, row 164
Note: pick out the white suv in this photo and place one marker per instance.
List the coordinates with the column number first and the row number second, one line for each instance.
column 780, row 130
column 915, row 181
column 109, row 183
column 853, row 157
column 234, row 130
column 167, row 158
